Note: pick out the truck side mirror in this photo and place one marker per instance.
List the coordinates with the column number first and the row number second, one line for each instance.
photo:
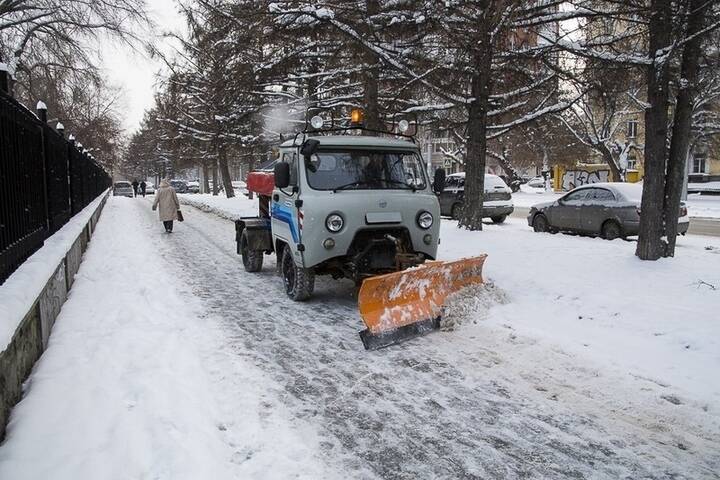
column 309, row 147
column 439, row 181
column 282, row 174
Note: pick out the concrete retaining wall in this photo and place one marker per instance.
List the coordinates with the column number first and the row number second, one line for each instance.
column 32, row 335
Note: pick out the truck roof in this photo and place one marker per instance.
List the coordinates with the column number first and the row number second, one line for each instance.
column 357, row 141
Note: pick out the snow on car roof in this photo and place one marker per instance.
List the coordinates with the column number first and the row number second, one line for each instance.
column 631, row 191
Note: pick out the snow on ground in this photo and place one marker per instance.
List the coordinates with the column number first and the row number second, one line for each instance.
column 595, row 299
column 138, row 382
column 22, row 288
column 707, row 206
column 586, row 363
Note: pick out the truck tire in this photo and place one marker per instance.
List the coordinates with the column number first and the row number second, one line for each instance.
column 498, row 219
column 299, row 282
column 252, row 259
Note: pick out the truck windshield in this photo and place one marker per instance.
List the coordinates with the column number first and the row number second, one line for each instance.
column 365, row 170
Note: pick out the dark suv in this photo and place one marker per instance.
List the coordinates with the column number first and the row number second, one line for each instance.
column 497, row 201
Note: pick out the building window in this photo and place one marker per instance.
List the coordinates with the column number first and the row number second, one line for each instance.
column 632, row 128
column 631, row 161
column 699, row 162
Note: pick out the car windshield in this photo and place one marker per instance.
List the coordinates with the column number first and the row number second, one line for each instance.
column 122, row 184
column 365, row 170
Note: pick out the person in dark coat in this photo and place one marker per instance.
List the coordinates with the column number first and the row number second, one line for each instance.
column 143, row 186
column 135, row 186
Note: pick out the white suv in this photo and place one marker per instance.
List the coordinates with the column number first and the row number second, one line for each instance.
column 497, row 201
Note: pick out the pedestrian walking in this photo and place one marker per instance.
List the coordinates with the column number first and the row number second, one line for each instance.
column 135, row 187
column 169, row 206
column 143, row 186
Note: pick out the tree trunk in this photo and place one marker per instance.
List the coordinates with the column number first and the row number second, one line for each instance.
column 225, row 172
column 215, row 189
column 611, row 163
column 650, row 245
column 682, row 124
column 371, row 74
column 510, row 171
column 206, row 179
column 471, row 214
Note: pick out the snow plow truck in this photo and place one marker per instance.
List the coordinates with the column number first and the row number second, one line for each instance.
column 362, row 208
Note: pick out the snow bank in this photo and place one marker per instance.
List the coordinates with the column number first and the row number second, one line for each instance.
column 22, row 288
column 707, row 206
column 138, row 383
column 594, row 299
column 527, row 196
column 230, row 208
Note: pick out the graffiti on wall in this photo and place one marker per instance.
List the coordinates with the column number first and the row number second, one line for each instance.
column 575, row 178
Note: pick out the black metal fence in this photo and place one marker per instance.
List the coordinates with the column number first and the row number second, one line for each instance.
column 44, row 181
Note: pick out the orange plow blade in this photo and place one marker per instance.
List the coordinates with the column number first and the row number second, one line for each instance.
column 401, row 305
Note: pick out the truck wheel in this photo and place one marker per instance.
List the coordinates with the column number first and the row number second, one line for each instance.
column 252, row 259
column 498, row 219
column 299, row 282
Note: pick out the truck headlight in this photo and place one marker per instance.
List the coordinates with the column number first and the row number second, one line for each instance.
column 334, row 222
column 424, row 220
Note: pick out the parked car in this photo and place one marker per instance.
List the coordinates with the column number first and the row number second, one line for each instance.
column 536, row 182
column 123, row 189
column 180, row 186
column 149, row 188
column 497, row 201
column 611, row 210
column 193, row 187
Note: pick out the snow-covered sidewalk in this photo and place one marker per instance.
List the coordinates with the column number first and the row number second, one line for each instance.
column 138, row 383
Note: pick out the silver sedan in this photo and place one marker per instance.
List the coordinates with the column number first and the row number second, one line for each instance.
column 611, row 210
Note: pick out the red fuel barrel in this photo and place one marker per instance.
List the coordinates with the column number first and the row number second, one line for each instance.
column 261, row 183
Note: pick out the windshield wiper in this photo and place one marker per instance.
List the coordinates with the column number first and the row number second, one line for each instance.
column 367, row 182
column 398, row 182
column 352, row 184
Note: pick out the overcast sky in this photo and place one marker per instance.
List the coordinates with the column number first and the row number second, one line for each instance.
column 134, row 71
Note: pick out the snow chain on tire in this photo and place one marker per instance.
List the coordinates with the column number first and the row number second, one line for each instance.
column 299, row 282
column 252, row 259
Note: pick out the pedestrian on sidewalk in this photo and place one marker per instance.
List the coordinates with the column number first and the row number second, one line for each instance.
column 135, row 187
column 143, row 186
column 166, row 198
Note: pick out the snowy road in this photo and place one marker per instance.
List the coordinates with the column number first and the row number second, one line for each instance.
column 489, row 405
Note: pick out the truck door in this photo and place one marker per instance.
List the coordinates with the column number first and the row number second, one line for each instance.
column 284, row 213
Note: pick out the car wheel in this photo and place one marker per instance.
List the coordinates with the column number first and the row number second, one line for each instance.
column 611, row 230
column 498, row 219
column 252, row 259
column 540, row 223
column 455, row 211
column 299, row 282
